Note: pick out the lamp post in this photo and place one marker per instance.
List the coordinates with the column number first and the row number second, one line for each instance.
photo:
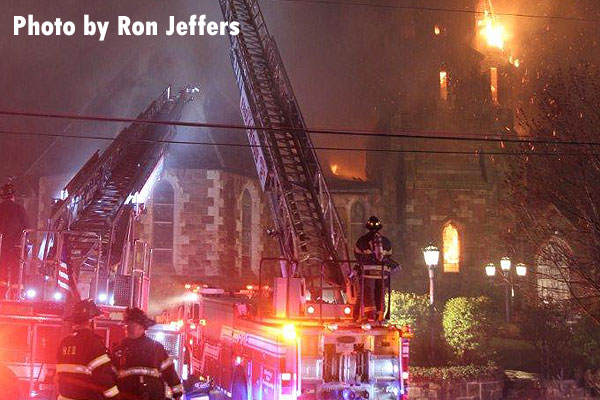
column 431, row 254
column 505, row 267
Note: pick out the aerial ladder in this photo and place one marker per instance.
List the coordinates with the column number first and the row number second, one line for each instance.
column 306, row 347
column 90, row 236
column 310, row 233
column 91, row 231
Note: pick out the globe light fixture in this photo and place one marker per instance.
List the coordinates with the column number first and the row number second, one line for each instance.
column 505, row 264
column 431, row 254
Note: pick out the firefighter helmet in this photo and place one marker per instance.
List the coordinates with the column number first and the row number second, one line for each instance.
column 373, row 224
column 8, row 191
column 83, row 311
column 136, row 315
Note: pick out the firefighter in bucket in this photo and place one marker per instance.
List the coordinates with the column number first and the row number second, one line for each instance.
column 373, row 252
column 143, row 365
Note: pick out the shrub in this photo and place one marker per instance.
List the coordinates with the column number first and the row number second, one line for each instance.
column 586, row 342
column 467, row 323
column 546, row 328
column 414, row 310
column 453, row 373
column 514, row 354
column 410, row 309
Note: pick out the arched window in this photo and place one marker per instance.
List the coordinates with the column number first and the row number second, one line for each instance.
column 451, row 248
column 162, row 227
column 553, row 271
column 357, row 222
column 246, row 233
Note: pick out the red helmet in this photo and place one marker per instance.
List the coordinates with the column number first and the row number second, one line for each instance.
column 8, row 191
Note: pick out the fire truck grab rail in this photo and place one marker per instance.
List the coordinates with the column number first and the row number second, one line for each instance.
column 322, row 285
column 56, row 256
column 144, row 271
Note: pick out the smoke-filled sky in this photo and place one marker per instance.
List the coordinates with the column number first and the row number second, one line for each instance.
column 339, row 59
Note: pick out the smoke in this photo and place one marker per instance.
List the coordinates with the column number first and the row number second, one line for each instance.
column 351, row 67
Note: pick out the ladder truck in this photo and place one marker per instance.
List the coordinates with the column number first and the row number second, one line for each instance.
column 88, row 250
column 311, row 343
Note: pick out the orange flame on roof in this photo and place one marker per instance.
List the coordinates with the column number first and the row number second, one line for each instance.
column 491, row 29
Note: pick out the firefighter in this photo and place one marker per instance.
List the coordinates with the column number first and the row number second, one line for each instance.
column 13, row 220
column 143, row 365
column 84, row 367
column 373, row 251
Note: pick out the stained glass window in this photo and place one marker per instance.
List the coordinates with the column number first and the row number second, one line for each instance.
column 451, row 248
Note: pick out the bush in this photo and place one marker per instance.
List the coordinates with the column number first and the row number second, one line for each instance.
column 586, row 342
column 467, row 323
column 513, row 354
column 453, row 373
column 410, row 309
column 413, row 309
column 546, row 328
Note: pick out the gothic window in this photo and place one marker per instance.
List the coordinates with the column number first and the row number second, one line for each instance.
column 443, row 85
column 357, row 222
column 451, row 248
column 553, row 272
column 494, row 84
column 162, row 225
column 246, row 233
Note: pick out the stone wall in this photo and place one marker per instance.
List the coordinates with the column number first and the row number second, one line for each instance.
column 438, row 192
column 565, row 389
column 459, row 390
column 207, row 223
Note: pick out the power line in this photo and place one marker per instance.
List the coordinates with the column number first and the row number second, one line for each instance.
column 404, row 134
column 474, row 152
column 437, row 9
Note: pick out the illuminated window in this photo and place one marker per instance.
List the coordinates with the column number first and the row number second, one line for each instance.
column 246, row 233
column 162, row 227
column 451, row 248
column 357, row 221
column 443, row 85
column 494, row 84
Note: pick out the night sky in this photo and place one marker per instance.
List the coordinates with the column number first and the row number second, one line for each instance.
column 342, row 61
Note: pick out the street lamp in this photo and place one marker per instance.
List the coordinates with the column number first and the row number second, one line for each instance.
column 521, row 269
column 505, row 266
column 490, row 269
column 432, row 256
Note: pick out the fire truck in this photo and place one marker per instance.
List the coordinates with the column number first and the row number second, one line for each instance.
column 88, row 250
column 318, row 351
column 303, row 335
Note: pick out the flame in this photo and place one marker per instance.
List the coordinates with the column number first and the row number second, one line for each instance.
column 492, row 30
column 437, row 30
column 347, row 171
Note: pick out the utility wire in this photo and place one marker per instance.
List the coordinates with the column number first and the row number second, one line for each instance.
column 475, row 152
column 437, row 9
column 404, row 134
